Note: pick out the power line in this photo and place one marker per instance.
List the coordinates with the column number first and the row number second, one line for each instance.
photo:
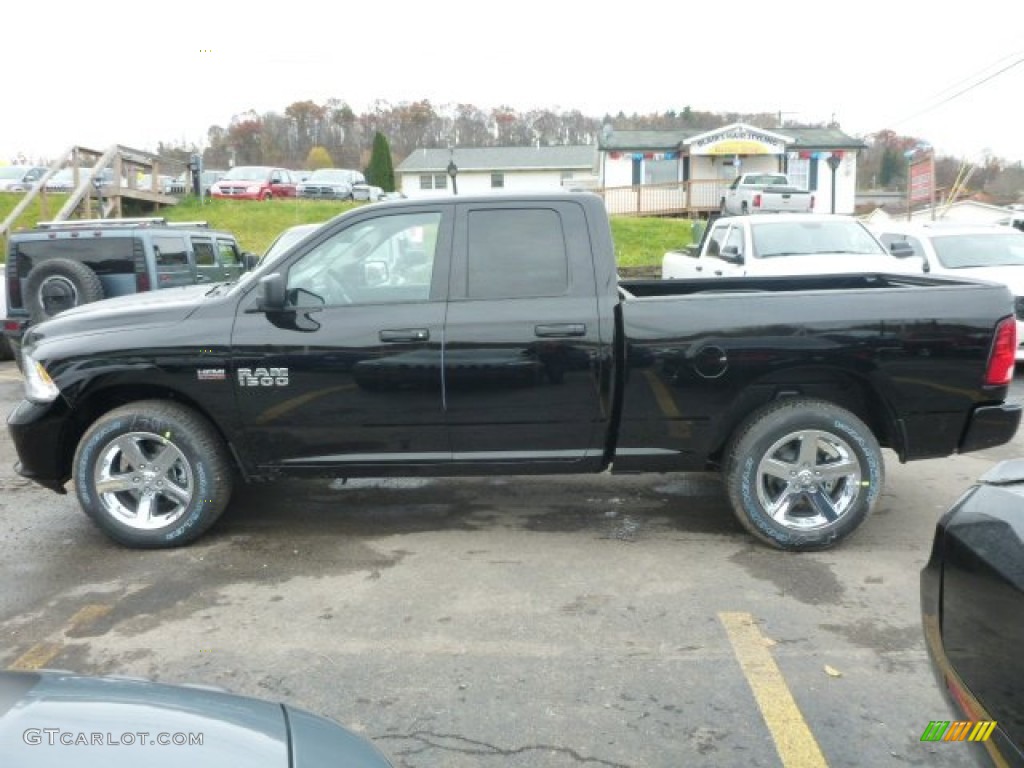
column 959, row 93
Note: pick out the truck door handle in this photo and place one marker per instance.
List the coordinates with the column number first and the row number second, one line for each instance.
column 405, row 334
column 559, row 330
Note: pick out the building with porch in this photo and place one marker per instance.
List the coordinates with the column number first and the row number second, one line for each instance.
column 686, row 171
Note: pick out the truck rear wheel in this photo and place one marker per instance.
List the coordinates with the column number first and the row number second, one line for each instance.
column 152, row 474
column 58, row 284
column 803, row 474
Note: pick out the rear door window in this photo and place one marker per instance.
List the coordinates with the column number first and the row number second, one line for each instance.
column 516, row 254
column 170, row 253
column 205, row 255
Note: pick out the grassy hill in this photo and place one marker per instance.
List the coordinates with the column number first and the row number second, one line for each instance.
column 639, row 242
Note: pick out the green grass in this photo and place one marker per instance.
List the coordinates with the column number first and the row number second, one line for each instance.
column 639, row 242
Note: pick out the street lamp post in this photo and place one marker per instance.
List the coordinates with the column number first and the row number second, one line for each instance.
column 833, row 162
column 453, row 171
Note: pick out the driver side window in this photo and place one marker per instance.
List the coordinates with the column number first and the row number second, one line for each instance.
column 384, row 260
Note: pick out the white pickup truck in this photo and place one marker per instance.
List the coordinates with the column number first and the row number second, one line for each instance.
column 765, row 193
column 797, row 244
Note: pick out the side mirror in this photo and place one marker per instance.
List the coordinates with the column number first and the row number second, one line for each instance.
column 272, row 293
column 901, row 249
column 249, row 261
column 731, row 254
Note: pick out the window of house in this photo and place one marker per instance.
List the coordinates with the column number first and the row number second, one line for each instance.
column 798, row 170
column 426, row 181
column 497, row 181
column 440, row 181
column 516, row 254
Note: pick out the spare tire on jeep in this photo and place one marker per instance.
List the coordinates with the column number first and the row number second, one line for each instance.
column 58, row 284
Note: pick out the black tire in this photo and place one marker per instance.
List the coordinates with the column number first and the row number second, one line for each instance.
column 823, row 491
column 722, row 210
column 267, row 196
column 744, row 209
column 123, row 449
column 58, row 284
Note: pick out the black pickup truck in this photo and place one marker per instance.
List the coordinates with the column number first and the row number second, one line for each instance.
column 471, row 335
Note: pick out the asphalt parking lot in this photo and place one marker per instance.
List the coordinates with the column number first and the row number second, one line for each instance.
column 561, row 621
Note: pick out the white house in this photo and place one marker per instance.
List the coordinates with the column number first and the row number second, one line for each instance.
column 496, row 169
column 697, row 165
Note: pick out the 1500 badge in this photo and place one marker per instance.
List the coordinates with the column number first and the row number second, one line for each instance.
column 262, row 377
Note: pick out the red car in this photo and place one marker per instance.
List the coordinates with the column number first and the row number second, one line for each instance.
column 254, row 182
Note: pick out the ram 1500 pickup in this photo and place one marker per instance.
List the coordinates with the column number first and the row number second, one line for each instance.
column 764, row 193
column 470, row 335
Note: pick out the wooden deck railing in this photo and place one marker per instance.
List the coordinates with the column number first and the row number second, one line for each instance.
column 697, row 197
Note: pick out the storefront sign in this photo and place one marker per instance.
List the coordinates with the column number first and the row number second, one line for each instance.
column 737, row 140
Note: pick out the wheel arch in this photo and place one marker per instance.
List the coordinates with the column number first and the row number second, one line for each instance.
column 845, row 389
column 95, row 403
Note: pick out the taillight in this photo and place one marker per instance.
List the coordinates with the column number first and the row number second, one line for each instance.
column 999, row 372
column 13, row 289
column 757, row 201
column 141, row 282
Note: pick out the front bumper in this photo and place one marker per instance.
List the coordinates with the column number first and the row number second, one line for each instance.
column 38, row 432
column 989, row 426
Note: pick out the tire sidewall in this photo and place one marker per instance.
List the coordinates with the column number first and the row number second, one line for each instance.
column 202, row 510
column 752, row 449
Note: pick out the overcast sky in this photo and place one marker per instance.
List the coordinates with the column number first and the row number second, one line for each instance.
column 137, row 73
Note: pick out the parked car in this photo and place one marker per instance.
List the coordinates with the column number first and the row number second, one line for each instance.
column 298, row 176
column 972, row 603
column 765, row 193
column 982, row 252
column 482, row 334
column 254, row 182
column 60, row 265
column 165, row 184
column 364, row 191
column 330, row 184
column 52, row 719
column 19, row 178
column 794, row 244
column 64, row 179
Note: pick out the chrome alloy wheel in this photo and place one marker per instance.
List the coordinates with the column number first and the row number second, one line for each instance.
column 143, row 480
column 808, row 479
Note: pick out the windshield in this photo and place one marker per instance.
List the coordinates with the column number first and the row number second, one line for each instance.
column 247, row 173
column 330, row 174
column 803, row 238
column 12, row 172
column 768, row 180
column 984, row 249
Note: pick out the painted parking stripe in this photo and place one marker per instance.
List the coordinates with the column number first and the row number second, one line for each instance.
column 41, row 654
column 794, row 741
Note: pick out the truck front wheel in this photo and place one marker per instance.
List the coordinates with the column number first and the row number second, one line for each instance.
column 152, row 474
column 803, row 474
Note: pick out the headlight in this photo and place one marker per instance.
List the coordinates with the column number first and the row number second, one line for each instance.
column 39, row 387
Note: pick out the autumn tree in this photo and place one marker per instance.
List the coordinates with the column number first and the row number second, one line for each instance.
column 318, row 157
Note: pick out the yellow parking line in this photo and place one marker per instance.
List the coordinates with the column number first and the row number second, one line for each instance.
column 10, row 377
column 794, row 741
column 38, row 656
column 41, row 654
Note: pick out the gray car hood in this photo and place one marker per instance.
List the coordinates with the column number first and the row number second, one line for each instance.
column 119, row 723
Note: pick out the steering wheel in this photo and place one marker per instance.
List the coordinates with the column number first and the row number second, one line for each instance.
column 336, row 287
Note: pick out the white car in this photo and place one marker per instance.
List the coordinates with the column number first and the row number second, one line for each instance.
column 983, row 252
column 785, row 244
column 19, row 178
